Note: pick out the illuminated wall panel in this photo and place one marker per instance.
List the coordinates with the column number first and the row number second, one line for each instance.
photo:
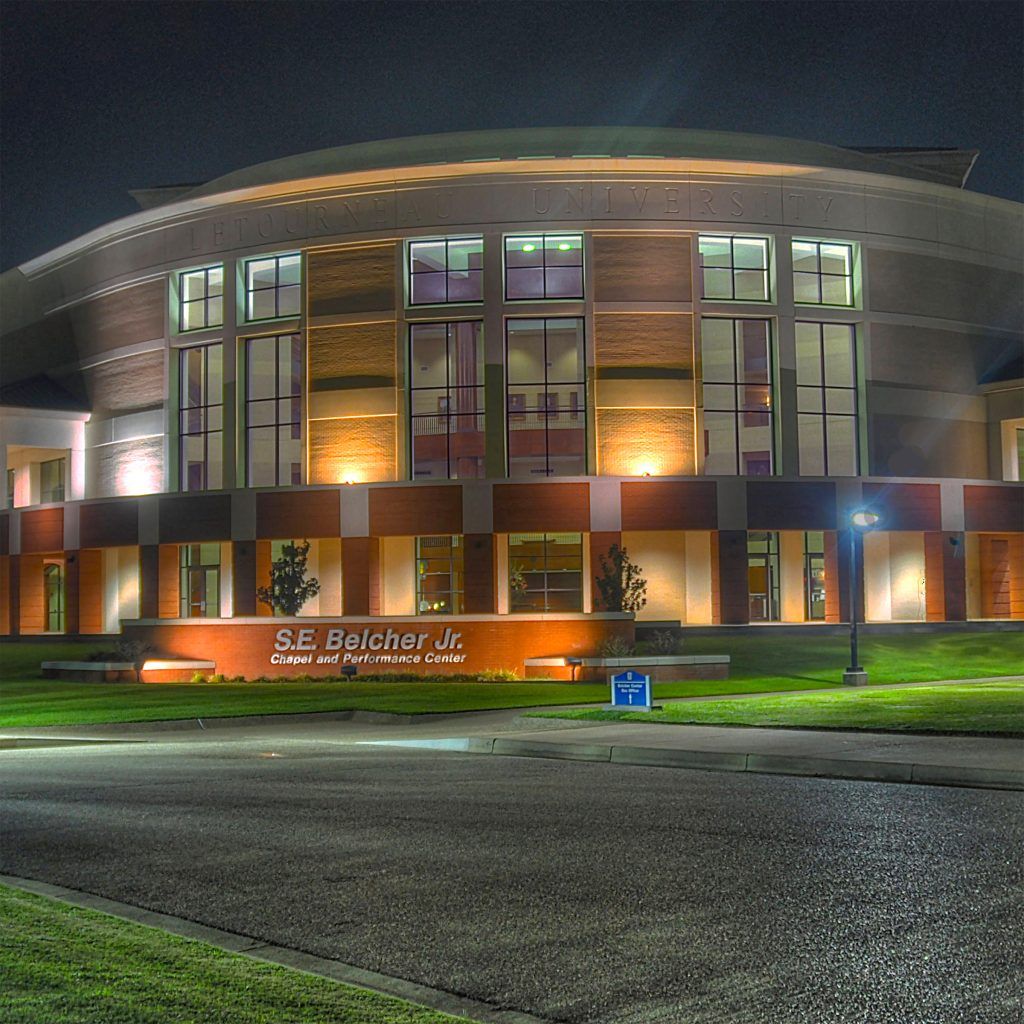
column 638, row 442
column 352, row 450
column 662, row 556
column 126, row 467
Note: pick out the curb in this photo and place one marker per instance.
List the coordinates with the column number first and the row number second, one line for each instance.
column 762, row 764
column 243, row 945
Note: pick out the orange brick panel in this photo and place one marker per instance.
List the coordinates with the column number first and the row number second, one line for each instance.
column 193, row 518
column 5, row 595
column 109, row 524
column 954, row 578
column 539, row 508
column 995, row 509
column 415, row 511
column 778, row 505
column 168, row 601
column 905, row 506
column 42, row 531
column 246, row 649
column 669, row 505
column 32, row 597
column 90, row 591
column 934, row 577
column 732, row 567
column 297, row 515
column 479, row 574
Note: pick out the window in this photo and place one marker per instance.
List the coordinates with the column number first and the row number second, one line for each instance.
column 51, row 480
column 447, row 400
column 822, row 273
column 199, row 593
column 826, row 394
column 272, row 287
column 201, row 298
column 53, row 590
column 814, row 576
column 544, row 267
column 734, row 268
column 738, row 406
column 545, row 572
column 547, row 397
column 446, row 270
column 439, row 575
column 763, row 575
column 273, row 411
column 200, row 416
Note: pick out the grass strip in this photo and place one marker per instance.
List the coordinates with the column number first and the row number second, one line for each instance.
column 993, row 709
column 761, row 663
column 69, row 965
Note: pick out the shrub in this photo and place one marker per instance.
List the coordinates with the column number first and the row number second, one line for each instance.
column 616, row 647
column 198, row 677
column 498, row 675
column 621, row 584
column 665, row 641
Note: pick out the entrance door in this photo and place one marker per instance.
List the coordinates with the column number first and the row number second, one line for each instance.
column 763, row 575
column 53, row 588
column 814, row 576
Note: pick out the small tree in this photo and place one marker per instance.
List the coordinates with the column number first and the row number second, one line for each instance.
column 289, row 589
column 621, row 585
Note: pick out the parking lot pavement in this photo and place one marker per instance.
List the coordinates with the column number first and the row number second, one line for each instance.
column 578, row 892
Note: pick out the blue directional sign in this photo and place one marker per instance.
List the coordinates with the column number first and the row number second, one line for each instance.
column 631, row 690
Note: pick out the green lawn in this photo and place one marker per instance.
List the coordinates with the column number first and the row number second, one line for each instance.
column 65, row 965
column 761, row 663
column 986, row 708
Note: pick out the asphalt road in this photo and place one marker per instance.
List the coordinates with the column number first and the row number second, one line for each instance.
column 578, row 892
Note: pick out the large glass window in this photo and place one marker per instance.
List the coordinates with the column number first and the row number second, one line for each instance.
column 201, row 298
column 763, row 575
column 52, row 474
column 738, row 406
column 545, row 572
column 822, row 273
column 439, row 575
column 734, row 268
column 544, row 267
column 273, row 410
column 273, row 287
column 826, row 378
column 446, row 270
column 546, row 403
column 201, row 418
column 447, row 399
column 199, row 589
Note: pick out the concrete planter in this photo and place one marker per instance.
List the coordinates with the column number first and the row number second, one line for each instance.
column 661, row 668
column 153, row 671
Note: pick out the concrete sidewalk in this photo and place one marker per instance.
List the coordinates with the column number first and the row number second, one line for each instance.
column 982, row 761
column 973, row 761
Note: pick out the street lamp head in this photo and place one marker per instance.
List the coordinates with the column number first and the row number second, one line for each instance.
column 864, row 519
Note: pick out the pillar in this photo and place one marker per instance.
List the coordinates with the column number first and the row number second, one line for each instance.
column 734, row 594
column 243, row 577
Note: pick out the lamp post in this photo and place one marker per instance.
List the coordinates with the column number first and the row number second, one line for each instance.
column 861, row 520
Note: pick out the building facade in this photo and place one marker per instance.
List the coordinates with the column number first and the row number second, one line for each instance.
column 463, row 367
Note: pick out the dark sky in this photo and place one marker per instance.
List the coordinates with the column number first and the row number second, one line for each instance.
column 100, row 98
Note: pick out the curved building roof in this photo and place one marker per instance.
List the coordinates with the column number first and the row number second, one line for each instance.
column 526, row 143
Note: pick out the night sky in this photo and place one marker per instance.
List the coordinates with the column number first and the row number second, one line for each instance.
column 101, row 98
